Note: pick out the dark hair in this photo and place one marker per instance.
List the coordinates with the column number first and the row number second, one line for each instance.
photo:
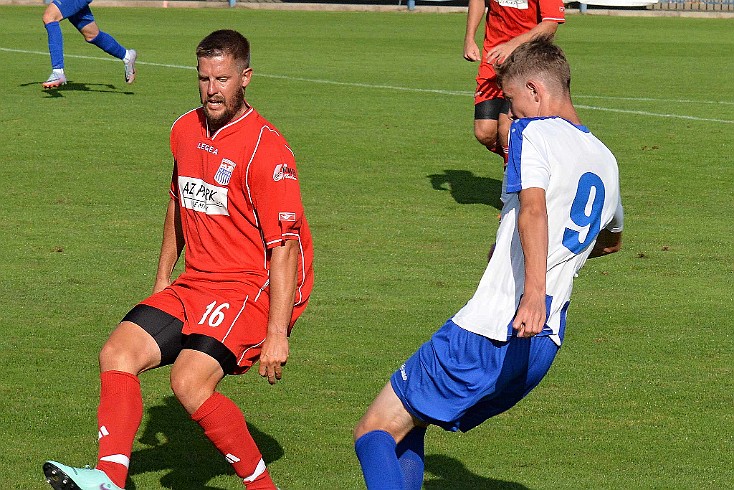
column 537, row 57
column 225, row 41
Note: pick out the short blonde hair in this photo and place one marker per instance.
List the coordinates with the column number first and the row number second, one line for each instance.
column 538, row 57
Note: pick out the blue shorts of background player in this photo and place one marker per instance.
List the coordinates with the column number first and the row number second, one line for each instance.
column 459, row 379
column 80, row 16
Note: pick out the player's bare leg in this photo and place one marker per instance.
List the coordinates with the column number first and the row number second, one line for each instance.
column 386, row 413
column 129, row 349
column 389, row 444
column 194, row 377
column 485, row 131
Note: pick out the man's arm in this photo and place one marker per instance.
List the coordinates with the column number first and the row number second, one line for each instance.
column 473, row 19
column 532, row 224
column 283, row 270
column 610, row 238
column 499, row 53
column 171, row 246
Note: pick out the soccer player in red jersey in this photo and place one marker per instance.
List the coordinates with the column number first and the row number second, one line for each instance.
column 509, row 23
column 236, row 208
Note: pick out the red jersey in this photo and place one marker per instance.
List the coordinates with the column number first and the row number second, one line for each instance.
column 507, row 19
column 238, row 194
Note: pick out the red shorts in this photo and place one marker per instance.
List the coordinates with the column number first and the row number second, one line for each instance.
column 487, row 87
column 235, row 314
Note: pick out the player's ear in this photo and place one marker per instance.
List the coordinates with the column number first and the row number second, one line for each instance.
column 246, row 76
column 532, row 87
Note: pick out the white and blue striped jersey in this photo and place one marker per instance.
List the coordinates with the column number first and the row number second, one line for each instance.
column 581, row 181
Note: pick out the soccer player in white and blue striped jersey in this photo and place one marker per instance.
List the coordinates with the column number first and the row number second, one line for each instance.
column 562, row 206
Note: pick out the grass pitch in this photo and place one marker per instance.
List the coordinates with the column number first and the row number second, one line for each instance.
column 403, row 205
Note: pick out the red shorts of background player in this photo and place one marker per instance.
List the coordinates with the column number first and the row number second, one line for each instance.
column 487, row 87
column 227, row 321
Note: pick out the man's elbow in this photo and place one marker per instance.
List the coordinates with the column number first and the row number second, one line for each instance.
column 607, row 242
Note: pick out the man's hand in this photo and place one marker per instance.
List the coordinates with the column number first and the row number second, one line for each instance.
column 273, row 357
column 499, row 53
column 531, row 314
column 471, row 50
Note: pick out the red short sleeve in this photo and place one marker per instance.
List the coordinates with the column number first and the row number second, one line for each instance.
column 272, row 181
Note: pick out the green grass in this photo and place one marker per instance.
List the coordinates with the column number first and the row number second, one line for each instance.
column 402, row 204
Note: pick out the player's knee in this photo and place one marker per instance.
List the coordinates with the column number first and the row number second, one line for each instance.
column 116, row 357
column 188, row 389
column 89, row 35
column 374, row 421
column 52, row 14
column 361, row 428
column 486, row 137
column 49, row 17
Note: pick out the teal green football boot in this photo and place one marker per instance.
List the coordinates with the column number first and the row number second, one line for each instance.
column 62, row 477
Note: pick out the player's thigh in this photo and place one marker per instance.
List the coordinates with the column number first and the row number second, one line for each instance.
column 230, row 325
column 130, row 349
column 448, row 375
column 526, row 363
column 386, row 413
column 490, row 117
column 150, row 334
column 69, row 8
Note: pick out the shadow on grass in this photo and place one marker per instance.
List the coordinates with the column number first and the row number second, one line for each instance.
column 79, row 87
column 452, row 474
column 178, row 445
column 467, row 188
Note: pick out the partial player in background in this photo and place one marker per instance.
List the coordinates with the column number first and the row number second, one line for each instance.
column 563, row 206
column 509, row 23
column 80, row 16
column 235, row 205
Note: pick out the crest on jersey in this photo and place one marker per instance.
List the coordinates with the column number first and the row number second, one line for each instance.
column 224, row 172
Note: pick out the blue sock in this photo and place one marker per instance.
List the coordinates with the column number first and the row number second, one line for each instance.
column 107, row 43
column 376, row 453
column 410, row 454
column 55, row 45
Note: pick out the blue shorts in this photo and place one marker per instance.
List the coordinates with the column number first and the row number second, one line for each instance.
column 77, row 11
column 459, row 379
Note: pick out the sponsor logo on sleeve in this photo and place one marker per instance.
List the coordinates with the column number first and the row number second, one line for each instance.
column 203, row 197
column 224, row 172
column 287, row 216
column 283, row 171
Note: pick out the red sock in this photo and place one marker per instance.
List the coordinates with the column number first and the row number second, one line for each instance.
column 225, row 426
column 118, row 417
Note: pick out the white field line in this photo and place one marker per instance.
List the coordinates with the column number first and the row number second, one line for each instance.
column 438, row 91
